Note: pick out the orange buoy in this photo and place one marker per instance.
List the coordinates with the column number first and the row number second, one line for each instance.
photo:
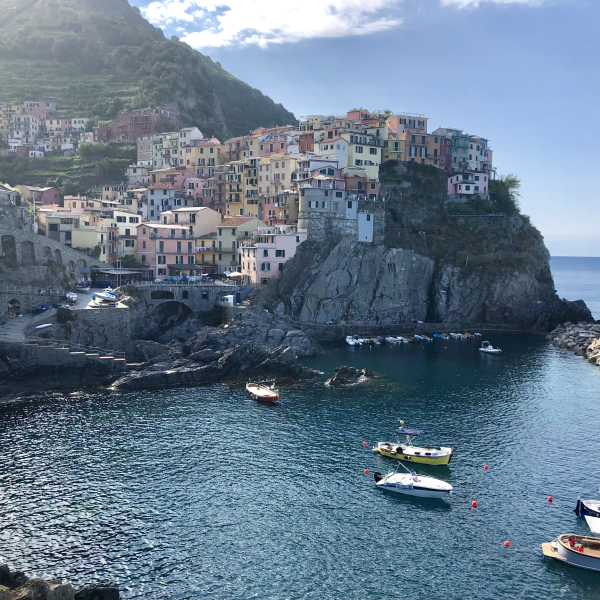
column 366, row 471
column 550, row 498
column 485, row 467
column 364, row 443
column 506, row 544
column 474, row 504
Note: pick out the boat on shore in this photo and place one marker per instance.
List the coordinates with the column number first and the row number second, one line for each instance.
column 411, row 484
column 576, row 550
column 489, row 349
column 260, row 391
column 426, row 455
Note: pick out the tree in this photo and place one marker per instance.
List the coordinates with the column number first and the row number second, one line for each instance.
column 130, row 262
column 504, row 192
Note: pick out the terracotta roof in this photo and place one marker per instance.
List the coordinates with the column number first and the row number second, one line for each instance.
column 235, row 221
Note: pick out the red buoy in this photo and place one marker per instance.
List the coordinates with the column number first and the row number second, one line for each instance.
column 550, row 498
column 366, row 471
column 364, row 443
column 485, row 467
column 579, row 549
column 474, row 504
column 506, row 543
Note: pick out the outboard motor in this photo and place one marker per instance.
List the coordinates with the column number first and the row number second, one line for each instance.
column 378, row 476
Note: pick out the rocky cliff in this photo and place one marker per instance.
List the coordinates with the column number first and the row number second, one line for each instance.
column 438, row 262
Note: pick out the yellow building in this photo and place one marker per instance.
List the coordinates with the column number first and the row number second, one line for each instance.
column 206, row 252
column 203, row 157
column 6, row 113
column 394, row 148
column 363, row 149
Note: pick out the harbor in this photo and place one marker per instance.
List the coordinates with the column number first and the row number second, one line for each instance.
column 147, row 491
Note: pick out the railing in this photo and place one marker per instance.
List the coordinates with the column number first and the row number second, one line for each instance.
column 73, row 347
column 28, row 290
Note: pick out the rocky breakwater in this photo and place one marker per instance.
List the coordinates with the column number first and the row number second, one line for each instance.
column 15, row 585
column 255, row 344
column 582, row 338
column 345, row 376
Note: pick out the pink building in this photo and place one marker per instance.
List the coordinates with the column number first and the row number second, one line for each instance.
column 48, row 195
column 36, row 109
column 167, row 249
column 133, row 125
column 264, row 258
column 272, row 144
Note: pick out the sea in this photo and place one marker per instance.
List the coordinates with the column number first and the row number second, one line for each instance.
column 205, row 493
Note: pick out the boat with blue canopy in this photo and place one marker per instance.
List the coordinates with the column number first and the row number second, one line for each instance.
column 426, row 455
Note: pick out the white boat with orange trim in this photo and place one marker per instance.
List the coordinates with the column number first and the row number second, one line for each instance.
column 575, row 550
column 263, row 392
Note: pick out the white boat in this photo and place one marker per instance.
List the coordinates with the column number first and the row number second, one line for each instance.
column 82, row 288
column 263, row 392
column 575, row 550
column 418, row 337
column 411, row 484
column 44, row 326
column 107, row 296
column 593, row 524
column 477, row 334
column 404, row 340
column 445, row 336
column 392, row 340
column 456, row 336
column 426, row 338
column 353, row 340
column 71, row 297
column 489, row 349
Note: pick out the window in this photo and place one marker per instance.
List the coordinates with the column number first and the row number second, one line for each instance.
column 281, row 266
column 358, row 149
column 133, row 219
column 350, row 205
column 162, row 260
column 162, row 271
column 121, row 219
column 265, row 266
column 128, row 243
column 373, row 186
column 413, row 151
column 280, row 253
column 467, row 187
column 178, row 246
column 476, row 177
column 368, row 217
column 323, row 204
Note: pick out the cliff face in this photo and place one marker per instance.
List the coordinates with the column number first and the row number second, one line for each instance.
column 434, row 265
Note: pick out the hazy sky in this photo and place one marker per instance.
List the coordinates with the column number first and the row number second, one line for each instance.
column 522, row 73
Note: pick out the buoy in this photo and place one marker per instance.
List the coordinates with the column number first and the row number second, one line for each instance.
column 550, row 498
column 485, row 467
column 364, row 443
column 401, row 422
column 579, row 549
column 270, row 438
column 474, row 504
column 366, row 471
column 506, row 544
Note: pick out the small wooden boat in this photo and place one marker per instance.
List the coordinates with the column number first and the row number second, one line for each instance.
column 575, row 550
column 411, row 484
column 426, row 455
column 262, row 392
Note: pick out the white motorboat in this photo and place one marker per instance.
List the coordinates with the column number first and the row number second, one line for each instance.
column 71, row 297
column 263, row 392
column 404, row 340
column 575, row 550
column 350, row 340
column 426, row 338
column 411, row 484
column 106, row 296
column 456, row 336
column 489, row 349
column 82, row 288
column 418, row 337
column 477, row 334
column 445, row 336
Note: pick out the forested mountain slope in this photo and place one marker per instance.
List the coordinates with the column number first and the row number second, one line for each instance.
column 96, row 58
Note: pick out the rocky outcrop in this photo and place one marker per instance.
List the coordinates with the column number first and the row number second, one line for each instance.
column 249, row 360
column 582, row 338
column 345, row 376
column 15, row 585
column 254, row 324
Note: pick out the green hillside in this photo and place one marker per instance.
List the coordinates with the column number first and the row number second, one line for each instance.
column 97, row 58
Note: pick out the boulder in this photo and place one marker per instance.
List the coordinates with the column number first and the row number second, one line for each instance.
column 205, row 356
column 98, row 592
column 5, row 593
column 60, row 591
column 345, row 376
column 34, row 589
column 145, row 350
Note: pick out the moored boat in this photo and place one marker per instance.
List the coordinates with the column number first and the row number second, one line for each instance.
column 575, row 550
column 411, row 484
column 263, row 392
column 587, row 507
column 426, row 455
column 445, row 336
column 489, row 349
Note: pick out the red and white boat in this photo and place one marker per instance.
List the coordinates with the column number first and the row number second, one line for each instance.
column 263, row 392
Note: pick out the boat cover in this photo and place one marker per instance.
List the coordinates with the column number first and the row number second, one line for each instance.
column 409, row 432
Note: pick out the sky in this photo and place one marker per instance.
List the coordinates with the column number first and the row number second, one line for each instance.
column 522, row 73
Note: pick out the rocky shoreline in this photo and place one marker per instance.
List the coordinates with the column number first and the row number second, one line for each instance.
column 583, row 339
column 15, row 585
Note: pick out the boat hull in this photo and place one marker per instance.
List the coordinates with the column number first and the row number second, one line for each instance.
column 562, row 553
column 262, row 393
column 424, row 487
column 588, row 507
column 442, row 460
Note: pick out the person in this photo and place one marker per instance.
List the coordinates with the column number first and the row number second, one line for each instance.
column 94, row 298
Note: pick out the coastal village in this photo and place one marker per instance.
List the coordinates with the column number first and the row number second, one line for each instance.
column 194, row 207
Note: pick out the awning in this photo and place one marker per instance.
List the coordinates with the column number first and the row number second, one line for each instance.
column 409, row 432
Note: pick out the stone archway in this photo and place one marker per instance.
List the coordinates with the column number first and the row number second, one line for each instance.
column 9, row 248
column 185, row 295
column 14, row 306
column 81, row 264
column 71, row 267
column 27, row 253
column 57, row 256
column 47, row 252
column 171, row 314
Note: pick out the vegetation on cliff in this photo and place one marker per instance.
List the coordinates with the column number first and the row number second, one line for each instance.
column 97, row 58
column 93, row 165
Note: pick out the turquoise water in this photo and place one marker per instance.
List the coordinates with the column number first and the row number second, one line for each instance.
column 204, row 493
column 578, row 278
